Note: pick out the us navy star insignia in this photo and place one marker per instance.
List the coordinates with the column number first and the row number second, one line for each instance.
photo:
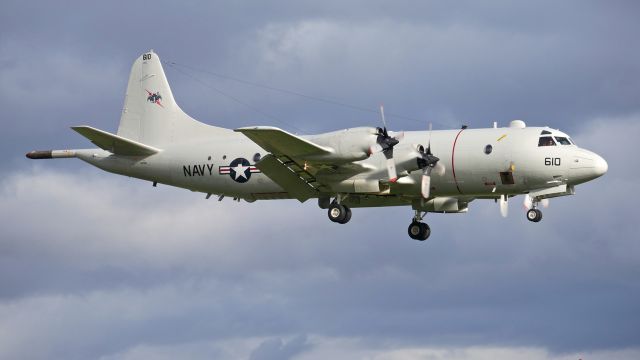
column 239, row 170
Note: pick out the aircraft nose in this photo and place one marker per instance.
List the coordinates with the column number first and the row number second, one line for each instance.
column 587, row 166
column 600, row 165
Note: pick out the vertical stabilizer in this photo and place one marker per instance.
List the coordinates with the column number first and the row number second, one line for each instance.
column 150, row 114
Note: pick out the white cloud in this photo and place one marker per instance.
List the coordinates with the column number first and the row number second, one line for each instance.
column 119, row 269
column 352, row 348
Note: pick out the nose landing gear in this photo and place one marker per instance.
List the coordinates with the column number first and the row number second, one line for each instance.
column 534, row 215
column 531, row 202
column 417, row 229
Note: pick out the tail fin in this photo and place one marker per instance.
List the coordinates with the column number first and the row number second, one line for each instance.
column 150, row 114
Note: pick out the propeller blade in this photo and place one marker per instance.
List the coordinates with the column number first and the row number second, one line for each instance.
column 375, row 149
column 391, row 169
column 384, row 122
column 439, row 169
column 504, row 206
column 544, row 203
column 397, row 135
column 528, row 202
column 385, row 143
column 425, row 186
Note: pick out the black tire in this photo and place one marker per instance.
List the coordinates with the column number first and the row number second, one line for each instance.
column 347, row 215
column 539, row 217
column 324, row 202
column 426, row 232
column 534, row 215
column 415, row 230
column 337, row 213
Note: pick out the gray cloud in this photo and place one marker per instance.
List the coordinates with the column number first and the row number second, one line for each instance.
column 466, row 63
column 276, row 349
column 153, row 270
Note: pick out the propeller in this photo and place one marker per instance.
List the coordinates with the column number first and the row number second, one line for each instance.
column 427, row 162
column 385, row 143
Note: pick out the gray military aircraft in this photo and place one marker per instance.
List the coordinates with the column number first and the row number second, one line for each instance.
column 431, row 171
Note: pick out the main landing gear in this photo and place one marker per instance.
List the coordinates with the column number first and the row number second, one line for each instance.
column 339, row 213
column 417, row 229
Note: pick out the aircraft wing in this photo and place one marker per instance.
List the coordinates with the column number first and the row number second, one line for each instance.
column 280, row 142
column 114, row 143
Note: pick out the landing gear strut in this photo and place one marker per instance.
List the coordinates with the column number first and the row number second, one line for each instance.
column 417, row 229
column 339, row 213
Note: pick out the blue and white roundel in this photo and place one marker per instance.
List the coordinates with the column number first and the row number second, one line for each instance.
column 239, row 170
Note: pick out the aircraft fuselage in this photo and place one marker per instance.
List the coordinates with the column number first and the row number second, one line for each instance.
column 478, row 163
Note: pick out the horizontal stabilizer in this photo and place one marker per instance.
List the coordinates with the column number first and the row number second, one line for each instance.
column 280, row 142
column 114, row 143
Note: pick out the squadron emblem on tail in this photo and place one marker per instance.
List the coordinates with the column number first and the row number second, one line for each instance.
column 154, row 97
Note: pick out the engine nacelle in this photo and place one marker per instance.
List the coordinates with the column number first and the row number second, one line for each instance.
column 347, row 145
column 407, row 157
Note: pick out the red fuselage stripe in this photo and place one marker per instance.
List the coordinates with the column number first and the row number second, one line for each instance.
column 453, row 165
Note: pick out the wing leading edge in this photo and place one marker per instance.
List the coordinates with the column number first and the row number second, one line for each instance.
column 280, row 142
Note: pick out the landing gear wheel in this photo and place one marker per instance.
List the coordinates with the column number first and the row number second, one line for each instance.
column 426, row 232
column 414, row 230
column 347, row 216
column 339, row 213
column 534, row 215
column 419, row 231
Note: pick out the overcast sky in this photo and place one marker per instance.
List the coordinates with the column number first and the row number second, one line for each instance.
column 93, row 265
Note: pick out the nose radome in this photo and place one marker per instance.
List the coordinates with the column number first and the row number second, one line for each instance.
column 600, row 165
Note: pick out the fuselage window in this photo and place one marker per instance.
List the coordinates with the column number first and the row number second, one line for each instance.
column 488, row 149
column 546, row 141
column 563, row 140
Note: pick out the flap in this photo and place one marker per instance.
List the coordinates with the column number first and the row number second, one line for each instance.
column 280, row 142
column 114, row 143
column 286, row 178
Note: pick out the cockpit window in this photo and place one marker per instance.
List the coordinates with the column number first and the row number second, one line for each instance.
column 563, row 140
column 546, row 141
column 545, row 132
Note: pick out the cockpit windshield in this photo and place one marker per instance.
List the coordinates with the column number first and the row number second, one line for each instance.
column 546, row 141
column 563, row 140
